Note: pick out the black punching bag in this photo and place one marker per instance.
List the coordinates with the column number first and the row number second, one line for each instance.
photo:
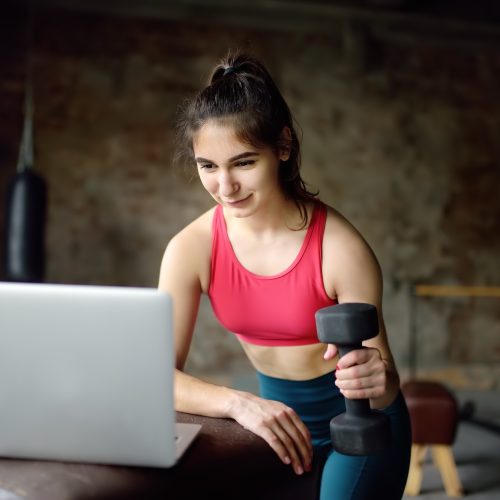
column 24, row 249
column 25, row 212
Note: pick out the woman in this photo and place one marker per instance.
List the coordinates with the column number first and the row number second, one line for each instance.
column 269, row 255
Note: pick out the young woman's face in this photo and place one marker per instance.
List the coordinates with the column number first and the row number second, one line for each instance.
column 239, row 176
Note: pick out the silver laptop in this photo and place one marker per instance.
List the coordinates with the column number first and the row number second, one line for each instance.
column 86, row 375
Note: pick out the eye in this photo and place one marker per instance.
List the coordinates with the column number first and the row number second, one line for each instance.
column 206, row 166
column 245, row 163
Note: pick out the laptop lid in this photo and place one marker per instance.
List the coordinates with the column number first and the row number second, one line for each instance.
column 86, row 374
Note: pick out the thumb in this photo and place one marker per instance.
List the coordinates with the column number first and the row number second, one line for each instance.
column 331, row 352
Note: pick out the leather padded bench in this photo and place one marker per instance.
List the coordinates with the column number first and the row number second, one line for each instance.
column 224, row 462
column 434, row 419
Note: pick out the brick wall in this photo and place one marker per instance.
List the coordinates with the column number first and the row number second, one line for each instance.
column 404, row 143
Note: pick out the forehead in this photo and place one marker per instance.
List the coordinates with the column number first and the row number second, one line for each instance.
column 215, row 137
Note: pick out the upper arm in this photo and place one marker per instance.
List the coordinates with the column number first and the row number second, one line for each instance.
column 182, row 272
column 352, row 273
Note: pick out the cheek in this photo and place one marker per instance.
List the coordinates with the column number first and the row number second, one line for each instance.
column 208, row 183
column 270, row 179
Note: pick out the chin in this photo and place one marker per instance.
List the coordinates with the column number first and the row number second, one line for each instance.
column 240, row 212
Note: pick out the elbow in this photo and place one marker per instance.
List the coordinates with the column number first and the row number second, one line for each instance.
column 180, row 362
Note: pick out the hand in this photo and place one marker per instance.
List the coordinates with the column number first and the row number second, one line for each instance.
column 280, row 427
column 361, row 374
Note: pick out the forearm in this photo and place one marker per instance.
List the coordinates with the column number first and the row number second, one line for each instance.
column 193, row 395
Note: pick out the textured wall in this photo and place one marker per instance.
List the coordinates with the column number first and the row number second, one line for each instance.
column 403, row 142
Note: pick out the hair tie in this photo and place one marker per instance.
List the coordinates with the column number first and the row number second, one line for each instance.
column 229, row 70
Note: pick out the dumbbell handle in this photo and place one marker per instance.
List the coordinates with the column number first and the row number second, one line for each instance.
column 354, row 407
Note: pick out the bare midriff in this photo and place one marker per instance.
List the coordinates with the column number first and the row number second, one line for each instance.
column 302, row 362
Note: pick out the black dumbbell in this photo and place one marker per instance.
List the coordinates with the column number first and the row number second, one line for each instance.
column 360, row 430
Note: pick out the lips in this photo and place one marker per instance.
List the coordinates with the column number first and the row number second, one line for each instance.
column 234, row 202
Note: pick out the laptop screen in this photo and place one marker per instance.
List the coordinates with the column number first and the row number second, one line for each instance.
column 86, row 374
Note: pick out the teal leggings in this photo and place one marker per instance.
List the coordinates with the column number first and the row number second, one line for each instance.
column 379, row 476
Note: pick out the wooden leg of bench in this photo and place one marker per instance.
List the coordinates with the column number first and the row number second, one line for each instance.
column 415, row 473
column 443, row 458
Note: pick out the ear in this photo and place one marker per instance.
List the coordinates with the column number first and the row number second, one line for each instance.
column 285, row 144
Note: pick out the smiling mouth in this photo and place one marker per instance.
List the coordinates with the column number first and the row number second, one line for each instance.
column 235, row 202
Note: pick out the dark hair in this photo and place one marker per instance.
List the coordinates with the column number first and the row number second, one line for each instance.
column 242, row 94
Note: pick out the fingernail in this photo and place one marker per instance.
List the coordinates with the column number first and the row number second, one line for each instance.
column 287, row 460
column 299, row 470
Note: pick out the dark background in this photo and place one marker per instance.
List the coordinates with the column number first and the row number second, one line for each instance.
column 399, row 107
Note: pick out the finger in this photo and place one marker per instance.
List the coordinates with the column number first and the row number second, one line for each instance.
column 370, row 368
column 303, row 430
column 357, row 357
column 276, row 444
column 304, row 443
column 363, row 387
column 281, row 428
column 296, row 435
column 291, row 447
column 366, row 393
column 331, row 352
column 282, row 443
column 369, row 381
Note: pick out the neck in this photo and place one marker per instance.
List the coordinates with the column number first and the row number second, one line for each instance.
column 281, row 215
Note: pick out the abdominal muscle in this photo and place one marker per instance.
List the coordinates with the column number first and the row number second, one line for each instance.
column 302, row 362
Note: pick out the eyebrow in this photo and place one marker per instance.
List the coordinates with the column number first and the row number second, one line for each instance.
column 233, row 158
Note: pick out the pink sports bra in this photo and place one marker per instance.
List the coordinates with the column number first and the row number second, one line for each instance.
column 269, row 310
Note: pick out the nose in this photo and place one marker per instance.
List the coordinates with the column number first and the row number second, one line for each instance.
column 228, row 185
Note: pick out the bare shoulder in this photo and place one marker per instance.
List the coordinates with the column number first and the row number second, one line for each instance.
column 350, row 268
column 342, row 237
column 197, row 232
column 187, row 254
